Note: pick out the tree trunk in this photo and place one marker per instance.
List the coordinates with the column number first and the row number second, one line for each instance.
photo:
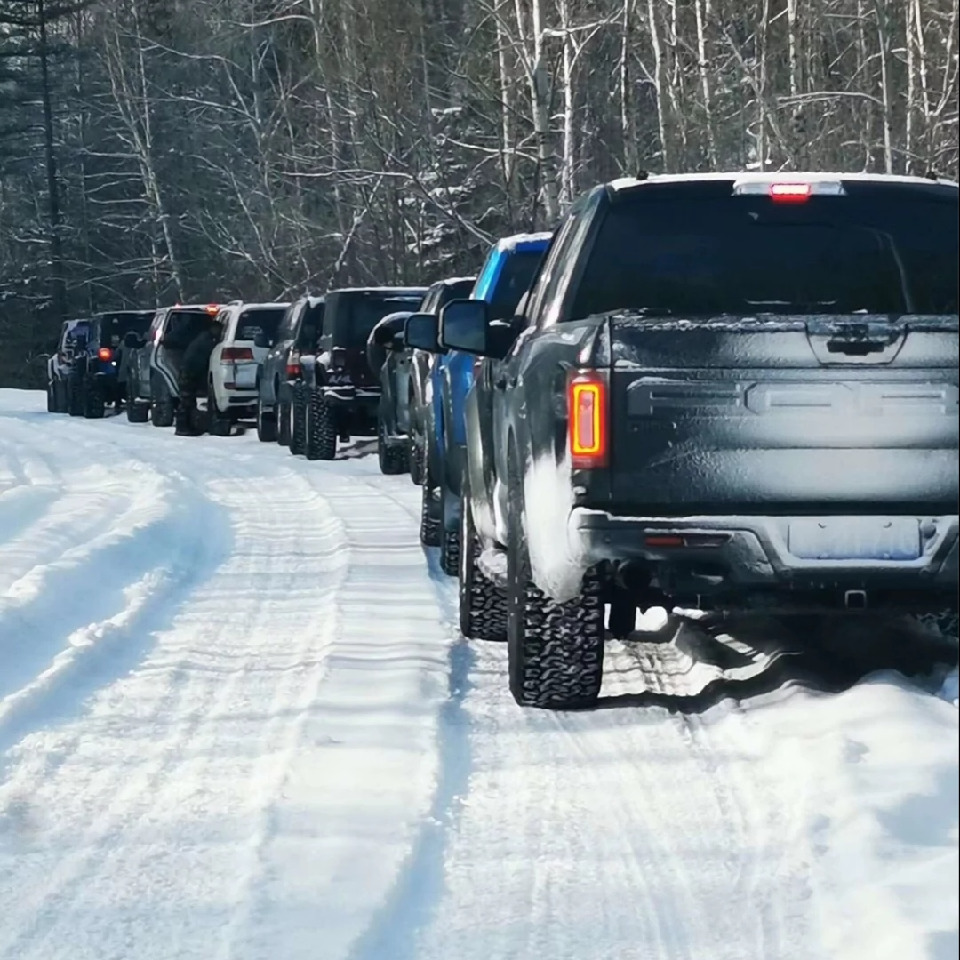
column 58, row 280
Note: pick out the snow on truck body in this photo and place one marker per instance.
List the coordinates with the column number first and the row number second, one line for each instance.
column 729, row 391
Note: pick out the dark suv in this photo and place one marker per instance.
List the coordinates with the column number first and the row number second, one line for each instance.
column 342, row 392
column 280, row 374
column 97, row 371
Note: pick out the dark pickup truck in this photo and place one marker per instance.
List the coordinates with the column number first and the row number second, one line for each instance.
column 727, row 391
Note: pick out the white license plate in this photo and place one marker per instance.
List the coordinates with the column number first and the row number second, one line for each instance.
column 855, row 538
column 246, row 377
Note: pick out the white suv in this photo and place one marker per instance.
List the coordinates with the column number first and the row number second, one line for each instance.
column 249, row 330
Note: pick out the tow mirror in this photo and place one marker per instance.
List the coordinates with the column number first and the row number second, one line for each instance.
column 420, row 332
column 463, row 326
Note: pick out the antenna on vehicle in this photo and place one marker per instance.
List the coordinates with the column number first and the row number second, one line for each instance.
column 643, row 174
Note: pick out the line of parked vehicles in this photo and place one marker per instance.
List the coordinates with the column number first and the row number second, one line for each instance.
column 727, row 391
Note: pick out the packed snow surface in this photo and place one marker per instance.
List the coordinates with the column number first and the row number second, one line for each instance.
column 237, row 722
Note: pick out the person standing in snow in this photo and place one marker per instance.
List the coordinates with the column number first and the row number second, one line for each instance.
column 193, row 378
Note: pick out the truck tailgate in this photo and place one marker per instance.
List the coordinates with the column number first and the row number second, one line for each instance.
column 807, row 414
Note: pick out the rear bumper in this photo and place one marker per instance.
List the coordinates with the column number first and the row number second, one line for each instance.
column 732, row 554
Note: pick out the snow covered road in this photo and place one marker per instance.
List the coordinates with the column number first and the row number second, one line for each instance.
column 237, row 722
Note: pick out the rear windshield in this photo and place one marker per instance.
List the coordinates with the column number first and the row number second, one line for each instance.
column 115, row 325
column 259, row 320
column 743, row 256
column 366, row 312
column 454, row 291
column 311, row 324
column 516, row 275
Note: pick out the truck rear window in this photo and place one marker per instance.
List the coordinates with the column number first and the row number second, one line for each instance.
column 516, row 275
column 367, row 312
column 259, row 320
column 743, row 256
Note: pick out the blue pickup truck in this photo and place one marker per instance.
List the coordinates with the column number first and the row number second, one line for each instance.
column 507, row 272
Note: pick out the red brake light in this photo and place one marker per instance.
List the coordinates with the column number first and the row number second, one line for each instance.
column 212, row 309
column 293, row 365
column 236, row 354
column 105, row 354
column 587, row 419
column 790, row 192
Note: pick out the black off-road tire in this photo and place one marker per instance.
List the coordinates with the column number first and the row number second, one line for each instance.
column 554, row 650
column 218, row 423
column 483, row 604
column 322, row 428
column 298, row 421
column 94, row 404
column 283, row 424
column 162, row 407
column 51, row 398
column 59, row 395
column 266, row 425
column 431, row 526
column 137, row 410
column 450, row 552
column 416, row 461
column 75, row 395
column 392, row 458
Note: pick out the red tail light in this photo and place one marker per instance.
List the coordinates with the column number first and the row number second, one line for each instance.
column 212, row 309
column 105, row 354
column 587, row 418
column 293, row 365
column 236, row 354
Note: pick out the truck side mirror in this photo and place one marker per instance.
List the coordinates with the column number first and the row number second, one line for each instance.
column 420, row 332
column 463, row 326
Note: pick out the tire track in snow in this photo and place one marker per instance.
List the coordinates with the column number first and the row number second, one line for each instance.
column 371, row 729
column 204, row 663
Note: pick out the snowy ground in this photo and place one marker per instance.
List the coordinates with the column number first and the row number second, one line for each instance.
column 236, row 722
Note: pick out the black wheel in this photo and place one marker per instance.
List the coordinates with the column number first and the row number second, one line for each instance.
column 283, row 424
column 60, row 395
column 298, row 421
column 51, row 398
column 162, row 408
column 322, row 428
column 416, row 461
column 94, row 404
column 393, row 459
column 75, row 395
column 554, row 650
column 266, row 424
column 430, row 520
column 483, row 604
column 137, row 410
column 218, row 423
column 449, row 540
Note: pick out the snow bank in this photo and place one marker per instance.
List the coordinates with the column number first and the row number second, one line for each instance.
column 556, row 563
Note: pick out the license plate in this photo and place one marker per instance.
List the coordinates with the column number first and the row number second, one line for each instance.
column 855, row 538
column 246, row 377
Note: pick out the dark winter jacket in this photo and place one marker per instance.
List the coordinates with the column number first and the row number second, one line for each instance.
column 196, row 358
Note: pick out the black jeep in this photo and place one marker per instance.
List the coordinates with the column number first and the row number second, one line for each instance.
column 342, row 392
column 98, row 371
